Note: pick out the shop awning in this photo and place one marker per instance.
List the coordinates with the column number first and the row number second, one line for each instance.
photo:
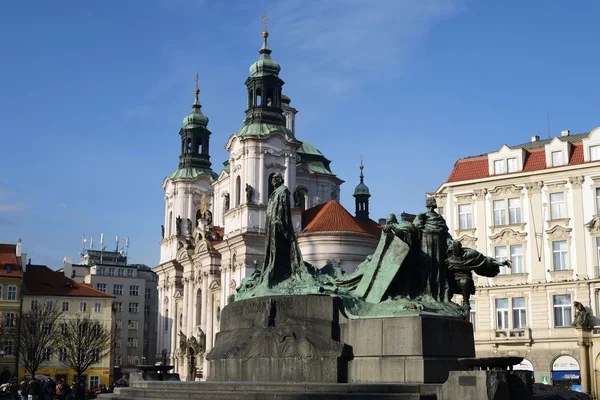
column 565, row 375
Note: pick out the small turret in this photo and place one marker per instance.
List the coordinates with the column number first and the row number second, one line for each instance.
column 361, row 196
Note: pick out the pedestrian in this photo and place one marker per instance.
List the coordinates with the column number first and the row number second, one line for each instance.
column 50, row 389
column 34, row 390
column 23, row 390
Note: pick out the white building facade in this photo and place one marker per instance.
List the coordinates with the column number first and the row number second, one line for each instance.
column 537, row 204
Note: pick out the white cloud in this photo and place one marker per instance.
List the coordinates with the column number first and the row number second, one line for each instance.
column 336, row 41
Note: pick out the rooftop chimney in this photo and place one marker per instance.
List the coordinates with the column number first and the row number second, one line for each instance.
column 535, row 138
column 565, row 132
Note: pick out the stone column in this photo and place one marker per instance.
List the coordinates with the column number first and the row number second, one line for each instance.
column 186, row 295
column 262, row 193
column 535, row 228
column 480, row 221
column 288, row 177
column 584, row 341
column 189, row 312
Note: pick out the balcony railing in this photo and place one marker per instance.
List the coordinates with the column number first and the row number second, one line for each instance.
column 519, row 334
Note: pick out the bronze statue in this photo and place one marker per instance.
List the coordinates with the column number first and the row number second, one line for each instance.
column 178, row 225
column 462, row 262
column 282, row 254
column 583, row 318
column 249, row 193
column 434, row 237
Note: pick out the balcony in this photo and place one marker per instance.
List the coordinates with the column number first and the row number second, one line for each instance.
column 513, row 335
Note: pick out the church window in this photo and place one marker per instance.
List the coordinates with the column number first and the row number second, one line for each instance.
column 169, row 227
column 269, row 97
column 238, row 191
column 166, row 319
column 258, row 97
column 199, row 146
column 189, row 145
column 198, row 215
column 250, row 98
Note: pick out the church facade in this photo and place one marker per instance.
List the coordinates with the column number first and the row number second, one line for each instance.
column 213, row 231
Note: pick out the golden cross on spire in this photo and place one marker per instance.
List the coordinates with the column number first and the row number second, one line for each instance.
column 361, row 161
column 264, row 21
column 197, row 90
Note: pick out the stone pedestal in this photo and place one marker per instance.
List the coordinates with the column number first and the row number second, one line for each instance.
column 416, row 349
column 308, row 339
column 279, row 339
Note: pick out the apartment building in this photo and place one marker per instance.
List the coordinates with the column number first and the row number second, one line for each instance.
column 537, row 204
column 134, row 287
column 10, row 301
column 44, row 287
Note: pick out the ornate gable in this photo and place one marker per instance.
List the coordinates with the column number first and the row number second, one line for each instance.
column 510, row 190
column 507, row 236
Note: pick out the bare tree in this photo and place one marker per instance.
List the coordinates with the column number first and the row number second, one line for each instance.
column 82, row 342
column 34, row 333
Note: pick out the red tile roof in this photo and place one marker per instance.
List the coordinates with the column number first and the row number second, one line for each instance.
column 535, row 160
column 41, row 280
column 332, row 219
column 8, row 257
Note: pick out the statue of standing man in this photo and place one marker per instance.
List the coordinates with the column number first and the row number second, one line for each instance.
column 283, row 259
column 434, row 247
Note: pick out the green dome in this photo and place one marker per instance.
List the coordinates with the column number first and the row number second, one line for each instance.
column 195, row 118
column 265, row 64
column 361, row 189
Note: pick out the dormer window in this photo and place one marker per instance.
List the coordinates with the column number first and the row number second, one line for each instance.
column 557, row 158
column 594, row 153
column 499, row 167
column 511, row 164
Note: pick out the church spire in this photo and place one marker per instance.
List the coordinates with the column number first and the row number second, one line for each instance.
column 264, row 87
column 361, row 196
column 195, row 137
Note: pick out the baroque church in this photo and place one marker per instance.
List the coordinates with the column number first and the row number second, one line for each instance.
column 213, row 232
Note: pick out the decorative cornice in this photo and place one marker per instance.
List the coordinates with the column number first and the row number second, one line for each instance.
column 480, row 193
column 507, row 236
column 466, row 197
column 275, row 166
column 468, row 241
column 559, row 233
column 556, row 185
column 534, row 187
column 594, row 225
column 576, row 181
column 506, row 190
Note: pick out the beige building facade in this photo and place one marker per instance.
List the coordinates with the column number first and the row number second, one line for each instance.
column 537, row 204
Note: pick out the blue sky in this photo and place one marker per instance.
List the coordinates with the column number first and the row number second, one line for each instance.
column 92, row 95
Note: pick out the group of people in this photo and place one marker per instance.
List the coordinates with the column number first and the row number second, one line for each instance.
column 34, row 389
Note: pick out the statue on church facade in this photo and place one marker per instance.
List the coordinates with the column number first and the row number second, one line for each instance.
column 178, row 225
column 249, row 193
column 225, row 202
column 189, row 227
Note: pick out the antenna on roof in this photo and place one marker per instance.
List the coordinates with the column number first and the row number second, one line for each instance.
column 127, row 245
column 101, row 246
column 83, row 241
column 548, row 120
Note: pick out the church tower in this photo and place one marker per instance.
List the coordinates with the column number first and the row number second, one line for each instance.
column 191, row 180
column 361, row 196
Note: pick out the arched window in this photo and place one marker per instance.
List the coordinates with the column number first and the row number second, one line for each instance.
column 189, row 145
column 167, row 319
column 258, row 97
column 271, row 188
column 250, row 98
column 238, row 191
column 170, row 226
column 302, row 200
column 270, row 100
column 199, row 146
column 198, row 216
